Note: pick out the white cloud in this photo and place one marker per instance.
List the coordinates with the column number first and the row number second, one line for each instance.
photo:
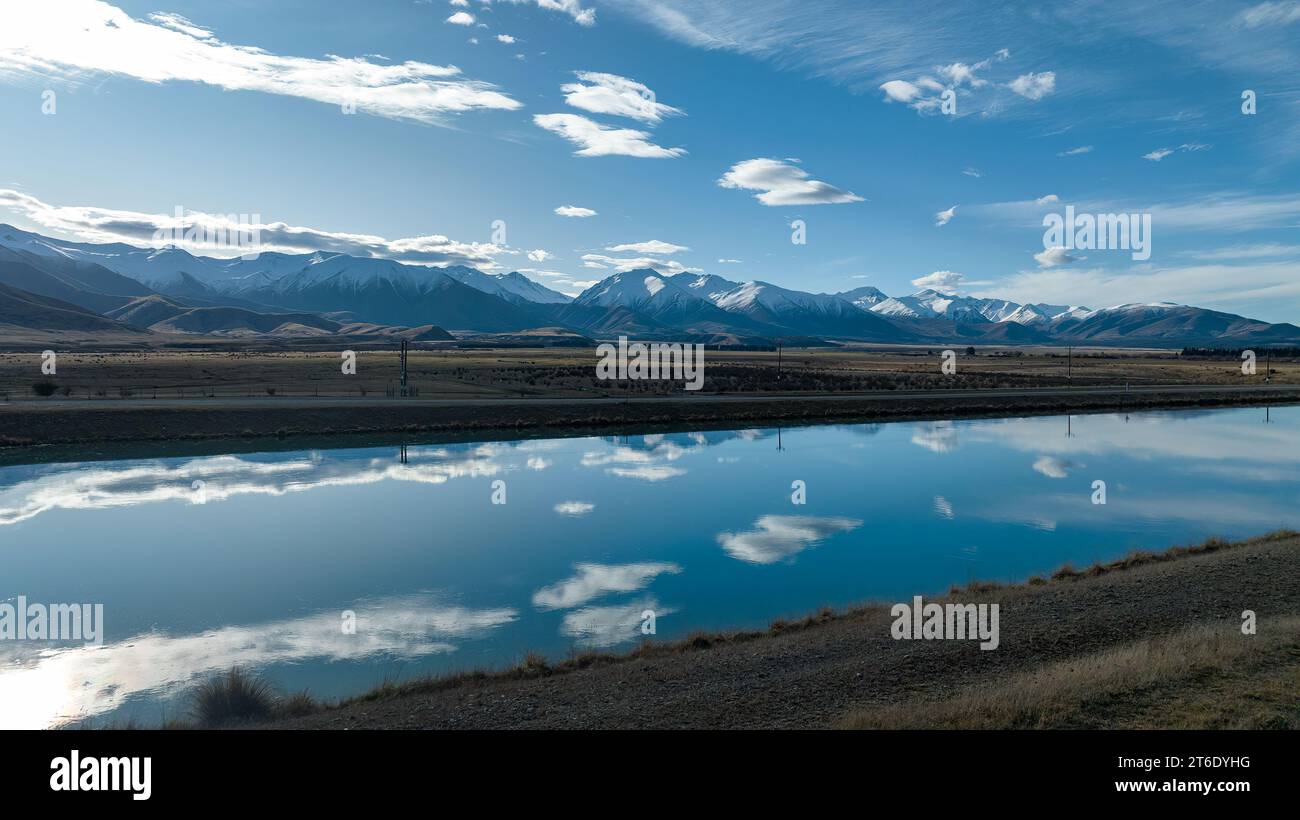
column 654, row 247
column 1047, row 200
column 900, row 91
column 540, row 255
column 1033, row 86
column 507, row 39
column 729, row 261
column 1052, row 257
column 596, row 140
column 944, row 217
column 1270, row 14
column 926, row 93
column 944, row 281
column 1158, row 154
column 624, row 264
column 573, row 8
column 618, row 96
column 93, row 224
column 461, row 18
column 574, row 211
column 1073, row 152
column 973, row 172
column 1224, row 211
column 781, row 183
column 1253, row 290
column 68, row 39
column 574, row 508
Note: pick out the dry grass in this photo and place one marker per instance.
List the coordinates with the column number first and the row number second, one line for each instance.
column 237, row 697
column 532, row 372
column 1207, row 676
column 1137, row 558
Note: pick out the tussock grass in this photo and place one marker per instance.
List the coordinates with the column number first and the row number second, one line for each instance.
column 1206, row 676
column 237, row 697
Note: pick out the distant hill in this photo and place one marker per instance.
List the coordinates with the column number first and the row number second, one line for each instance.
column 172, row 292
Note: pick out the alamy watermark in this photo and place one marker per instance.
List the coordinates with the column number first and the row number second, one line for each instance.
column 1104, row 232
column 922, row 621
column 221, row 232
column 655, row 360
column 22, row 621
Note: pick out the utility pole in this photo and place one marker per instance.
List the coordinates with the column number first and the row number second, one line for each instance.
column 405, row 344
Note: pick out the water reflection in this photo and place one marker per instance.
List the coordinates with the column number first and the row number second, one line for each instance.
column 42, row 688
column 207, row 563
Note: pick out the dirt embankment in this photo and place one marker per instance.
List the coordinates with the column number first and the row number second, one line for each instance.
column 34, row 423
column 1152, row 641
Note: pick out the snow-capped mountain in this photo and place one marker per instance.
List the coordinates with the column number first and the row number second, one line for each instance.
column 513, row 286
column 864, row 297
column 804, row 313
column 108, row 278
column 708, row 285
column 650, row 294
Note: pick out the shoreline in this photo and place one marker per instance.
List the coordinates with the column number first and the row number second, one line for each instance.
column 1151, row 640
column 28, row 429
column 842, row 669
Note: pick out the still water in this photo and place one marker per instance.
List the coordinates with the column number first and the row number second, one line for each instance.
column 261, row 560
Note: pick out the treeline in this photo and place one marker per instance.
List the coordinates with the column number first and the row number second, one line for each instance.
column 1235, row 352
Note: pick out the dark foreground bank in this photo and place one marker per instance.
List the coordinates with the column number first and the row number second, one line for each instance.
column 34, row 424
column 1151, row 641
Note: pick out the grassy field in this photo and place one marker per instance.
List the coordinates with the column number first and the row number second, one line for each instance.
column 524, row 373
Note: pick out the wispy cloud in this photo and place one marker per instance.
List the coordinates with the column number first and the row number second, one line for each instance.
column 575, row 211
column 96, row 224
column 617, row 96
column 781, row 183
column 654, row 247
column 596, row 140
column 573, row 8
column 68, row 39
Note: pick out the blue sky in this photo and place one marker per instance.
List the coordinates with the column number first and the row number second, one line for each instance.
column 235, row 108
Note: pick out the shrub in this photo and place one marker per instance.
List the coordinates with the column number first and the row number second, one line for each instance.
column 44, row 388
column 234, row 697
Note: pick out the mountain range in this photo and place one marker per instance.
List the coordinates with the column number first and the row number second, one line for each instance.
column 52, row 284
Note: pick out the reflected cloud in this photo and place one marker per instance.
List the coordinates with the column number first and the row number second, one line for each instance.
column 208, row 480
column 1054, row 467
column 594, row 580
column 602, row 626
column 942, row 507
column 40, row 687
column 937, row 437
column 574, row 507
column 647, row 473
column 777, row 537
